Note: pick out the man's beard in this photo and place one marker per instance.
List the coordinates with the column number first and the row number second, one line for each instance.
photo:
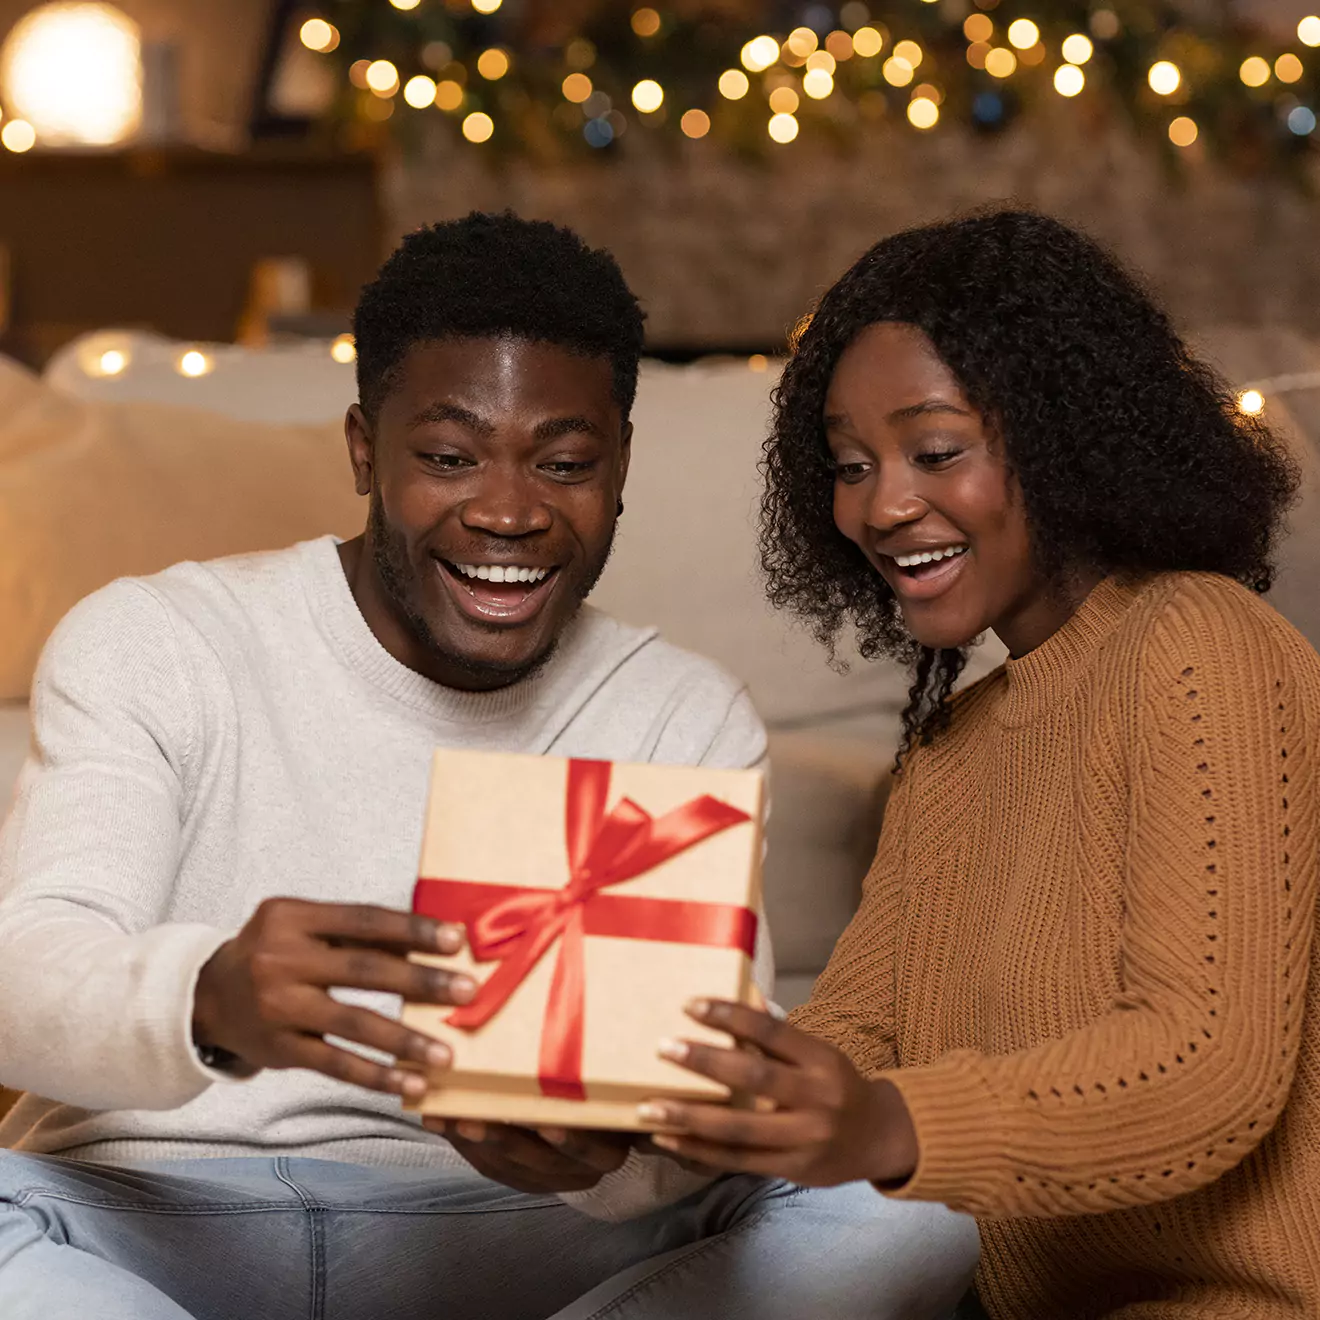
column 398, row 579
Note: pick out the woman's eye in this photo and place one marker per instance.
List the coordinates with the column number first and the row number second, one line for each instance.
column 850, row 473
column 934, row 457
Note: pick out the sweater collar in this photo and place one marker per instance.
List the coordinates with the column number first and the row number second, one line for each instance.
column 1036, row 681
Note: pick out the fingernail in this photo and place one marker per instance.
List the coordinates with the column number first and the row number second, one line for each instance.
column 555, row 1136
column 462, row 988
column 677, row 1050
column 664, row 1142
column 414, row 1087
column 449, row 939
column 650, row 1112
column 697, row 1008
column 471, row 1131
column 438, row 1055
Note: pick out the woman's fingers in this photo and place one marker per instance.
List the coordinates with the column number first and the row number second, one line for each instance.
column 742, row 1128
column 753, row 1027
column 728, row 1159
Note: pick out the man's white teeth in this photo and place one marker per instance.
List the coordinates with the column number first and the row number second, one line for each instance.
column 500, row 573
column 929, row 556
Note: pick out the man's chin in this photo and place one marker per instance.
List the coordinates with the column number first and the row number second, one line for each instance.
column 475, row 670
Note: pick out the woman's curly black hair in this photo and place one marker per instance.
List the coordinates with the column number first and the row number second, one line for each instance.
column 1131, row 455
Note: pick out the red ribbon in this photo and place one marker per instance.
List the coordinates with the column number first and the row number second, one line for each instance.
column 517, row 925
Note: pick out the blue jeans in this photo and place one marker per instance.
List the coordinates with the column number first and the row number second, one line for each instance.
column 299, row 1239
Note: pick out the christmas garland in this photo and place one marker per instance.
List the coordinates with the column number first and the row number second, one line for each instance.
column 548, row 80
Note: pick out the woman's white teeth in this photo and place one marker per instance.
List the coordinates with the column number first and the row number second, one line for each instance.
column 502, row 573
column 928, row 556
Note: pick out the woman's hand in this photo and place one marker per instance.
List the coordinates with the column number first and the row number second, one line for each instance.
column 817, row 1121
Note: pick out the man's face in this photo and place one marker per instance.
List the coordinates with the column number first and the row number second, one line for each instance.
column 495, row 467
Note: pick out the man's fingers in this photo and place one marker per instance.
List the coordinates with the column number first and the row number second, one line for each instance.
column 602, row 1151
column 318, row 1055
column 320, row 1015
column 365, row 924
column 375, row 969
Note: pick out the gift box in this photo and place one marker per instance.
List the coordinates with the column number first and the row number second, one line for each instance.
column 599, row 898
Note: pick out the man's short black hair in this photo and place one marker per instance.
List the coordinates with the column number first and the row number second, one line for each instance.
column 497, row 276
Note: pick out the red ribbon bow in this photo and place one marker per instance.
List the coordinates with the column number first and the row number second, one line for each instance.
column 515, row 925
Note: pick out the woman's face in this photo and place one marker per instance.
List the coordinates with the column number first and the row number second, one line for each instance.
column 923, row 489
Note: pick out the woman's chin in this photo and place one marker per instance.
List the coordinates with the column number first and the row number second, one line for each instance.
column 940, row 634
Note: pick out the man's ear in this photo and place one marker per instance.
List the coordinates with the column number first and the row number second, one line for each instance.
column 361, row 449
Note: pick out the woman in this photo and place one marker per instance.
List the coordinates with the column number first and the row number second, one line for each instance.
column 1075, row 999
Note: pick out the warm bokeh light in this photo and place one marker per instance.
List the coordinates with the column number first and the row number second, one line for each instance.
column 922, row 112
column 1251, row 402
column 344, row 350
column 382, row 77
column 407, row 4
column 194, row 363
column 18, row 136
column 1308, row 30
column 758, row 362
column 817, row 83
column 867, row 42
column 910, row 51
column 976, row 54
column 822, row 60
column 486, row 6
column 357, row 74
column 840, row 45
column 1288, row 69
column 478, row 127
column 734, row 84
column 930, row 92
column 1023, row 34
column 1164, row 77
column 493, row 64
column 378, row 109
column 645, row 22
column 113, row 362
column 802, row 41
column 784, row 101
column 576, row 88
column 318, row 35
column 1255, row 72
column 580, row 53
column 1068, row 80
column 1000, row 62
column 648, row 96
column 1077, row 49
column 1105, row 24
column 979, row 27
column 897, row 71
column 419, row 92
column 448, row 95
column 759, row 54
column 783, row 128
column 1183, row 131
column 74, row 73
column 695, row 123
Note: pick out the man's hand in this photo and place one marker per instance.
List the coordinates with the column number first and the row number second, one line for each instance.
column 819, row 1122
column 540, row 1161
column 265, row 995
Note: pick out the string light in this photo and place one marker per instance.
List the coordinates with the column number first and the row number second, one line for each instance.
column 897, row 71
column 576, row 88
column 802, row 42
column 1308, row 30
column 344, row 350
column 318, row 35
column 1255, row 72
column 783, row 128
column 493, row 64
column 357, row 74
column 910, row 51
column 695, row 123
column 1077, row 49
column 382, row 77
column 759, row 54
column 448, row 95
column 976, row 54
column 645, row 22
column 1251, row 402
column 978, row 27
column 822, row 61
column 113, row 362
column 1288, row 69
column 922, row 112
column 419, row 92
column 1183, row 131
column 840, row 45
column 1023, row 34
column 1069, row 80
column 734, row 84
column 1164, row 77
column 867, row 42
column 758, row 363
column 817, row 84
column 1000, row 62
column 486, row 6
column 784, row 101
column 648, row 96
column 407, row 4
column 18, row 136
column 478, row 127
column 194, row 364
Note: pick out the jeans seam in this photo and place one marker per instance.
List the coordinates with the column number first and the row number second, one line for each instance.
column 698, row 1249
column 315, row 1225
column 31, row 1194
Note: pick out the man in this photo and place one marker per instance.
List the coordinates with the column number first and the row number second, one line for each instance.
column 203, row 884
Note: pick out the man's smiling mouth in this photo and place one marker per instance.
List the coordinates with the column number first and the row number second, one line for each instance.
column 500, row 593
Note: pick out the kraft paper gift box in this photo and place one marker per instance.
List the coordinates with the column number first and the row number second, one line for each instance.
column 599, row 898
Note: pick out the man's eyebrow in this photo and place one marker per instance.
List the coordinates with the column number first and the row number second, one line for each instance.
column 451, row 412
column 558, row 427
column 925, row 407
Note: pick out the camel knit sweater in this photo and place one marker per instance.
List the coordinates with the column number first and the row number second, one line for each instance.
column 1083, row 956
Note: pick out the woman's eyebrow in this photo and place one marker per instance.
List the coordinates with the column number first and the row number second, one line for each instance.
column 925, row 407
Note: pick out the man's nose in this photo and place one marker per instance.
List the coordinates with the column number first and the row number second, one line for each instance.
column 506, row 504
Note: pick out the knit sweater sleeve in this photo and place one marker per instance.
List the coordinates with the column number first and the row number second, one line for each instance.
column 852, row 1002
column 95, row 981
column 1191, row 1066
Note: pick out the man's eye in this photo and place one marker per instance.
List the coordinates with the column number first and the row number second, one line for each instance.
column 567, row 467
column 448, row 462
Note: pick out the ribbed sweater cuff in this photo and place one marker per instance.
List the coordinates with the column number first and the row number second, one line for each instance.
column 962, row 1157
